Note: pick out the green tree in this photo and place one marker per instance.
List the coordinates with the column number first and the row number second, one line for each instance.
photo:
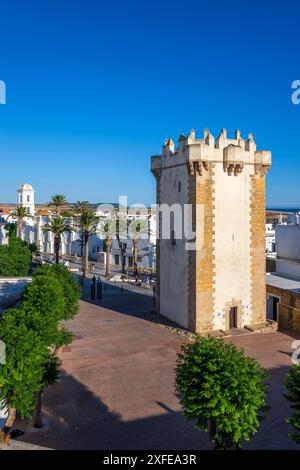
column 15, row 258
column 20, row 213
column 71, row 288
column 21, row 375
column 51, row 298
column 222, row 389
column 43, row 304
column 58, row 226
column 11, row 230
column 58, row 201
column 292, row 384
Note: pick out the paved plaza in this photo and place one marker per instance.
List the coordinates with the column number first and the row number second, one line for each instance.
column 117, row 386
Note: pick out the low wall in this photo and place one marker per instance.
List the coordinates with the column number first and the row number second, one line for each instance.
column 11, row 289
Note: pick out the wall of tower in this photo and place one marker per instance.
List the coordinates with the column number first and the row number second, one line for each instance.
column 232, row 280
column 258, row 265
column 173, row 258
column 201, row 260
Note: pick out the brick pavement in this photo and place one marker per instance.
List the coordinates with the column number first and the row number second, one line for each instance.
column 117, row 392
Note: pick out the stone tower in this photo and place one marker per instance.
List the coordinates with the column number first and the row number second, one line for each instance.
column 214, row 277
column 26, row 198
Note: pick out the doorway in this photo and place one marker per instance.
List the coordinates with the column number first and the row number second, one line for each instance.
column 232, row 318
column 273, row 307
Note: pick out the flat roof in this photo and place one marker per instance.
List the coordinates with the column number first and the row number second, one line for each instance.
column 283, row 282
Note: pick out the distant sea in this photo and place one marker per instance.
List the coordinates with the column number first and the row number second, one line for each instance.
column 282, row 209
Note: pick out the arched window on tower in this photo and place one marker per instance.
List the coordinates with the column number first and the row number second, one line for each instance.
column 28, row 198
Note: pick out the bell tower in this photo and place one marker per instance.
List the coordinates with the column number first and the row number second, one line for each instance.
column 26, row 198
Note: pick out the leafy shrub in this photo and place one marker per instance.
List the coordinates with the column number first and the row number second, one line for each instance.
column 222, row 389
column 32, row 333
column 293, row 386
column 43, row 305
column 11, row 230
column 70, row 286
column 21, row 375
column 15, row 258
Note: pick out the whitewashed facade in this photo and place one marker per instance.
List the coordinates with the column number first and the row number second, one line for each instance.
column 71, row 243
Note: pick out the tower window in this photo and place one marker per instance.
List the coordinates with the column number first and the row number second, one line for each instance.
column 28, row 198
column 179, row 186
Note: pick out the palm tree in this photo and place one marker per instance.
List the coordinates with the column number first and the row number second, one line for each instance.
column 58, row 201
column 58, row 227
column 137, row 229
column 20, row 213
column 77, row 210
column 108, row 229
column 87, row 222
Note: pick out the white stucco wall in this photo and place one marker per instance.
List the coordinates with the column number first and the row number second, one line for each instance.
column 290, row 268
column 232, row 242
column 11, row 289
column 288, row 241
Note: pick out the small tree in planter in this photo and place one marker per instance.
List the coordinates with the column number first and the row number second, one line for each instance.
column 21, row 375
column 293, row 386
column 223, row 390
column 49, row 299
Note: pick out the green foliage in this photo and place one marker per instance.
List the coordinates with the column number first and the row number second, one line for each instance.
column 34, row 249
column 222, row 390
column 70, row 286
column 58, row 201
column 44, row 307
column 293, row 386
column 51, row 370
column 15, row 258
column 32, row 333
column 11, row 230
column 21, row 375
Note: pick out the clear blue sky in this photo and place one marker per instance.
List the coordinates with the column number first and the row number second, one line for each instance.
column 93, row 88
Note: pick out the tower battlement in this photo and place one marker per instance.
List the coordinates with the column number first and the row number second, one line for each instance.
column 233, row 154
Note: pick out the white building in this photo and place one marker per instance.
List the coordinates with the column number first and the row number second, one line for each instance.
column 283, row 285
column 288, row 247
column 71, row 242
column 270, row 238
